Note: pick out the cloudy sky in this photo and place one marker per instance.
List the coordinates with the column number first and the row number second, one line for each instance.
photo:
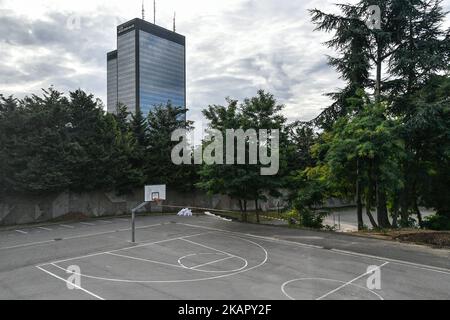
column 234, row 48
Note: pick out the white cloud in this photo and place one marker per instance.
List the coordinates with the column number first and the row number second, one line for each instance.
column 234, row 48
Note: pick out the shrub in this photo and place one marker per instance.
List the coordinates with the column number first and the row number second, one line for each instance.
column 305, row 218
column 310, row 219
column 292, row 217
column 411, row 223
column 437, row 222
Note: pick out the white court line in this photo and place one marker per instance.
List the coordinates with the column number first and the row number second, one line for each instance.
column 46, row 229
column 126, row 220
column 212, row 262
column 349, row 282
column 394, row 261
column 29, row 244
column 284, row 285
column 209, row 214
column 21, row 231
column 72, row 284
column 162, row 241
column 87, row 224
column 145, row 260
column 183, row 280
column 210, row 271
column 66, row 226
column 255, row 236
column 123, row 249
column 341, row 252
column 214, row 249
column 105, row 221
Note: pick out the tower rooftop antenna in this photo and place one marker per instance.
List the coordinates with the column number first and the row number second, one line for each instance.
column 154, row 11
column 143, row 10
column 174, row 21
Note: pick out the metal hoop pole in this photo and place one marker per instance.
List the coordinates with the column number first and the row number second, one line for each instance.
column 133, row 221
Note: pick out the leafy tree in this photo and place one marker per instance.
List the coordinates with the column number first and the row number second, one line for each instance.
column 360, row 47
column 245, row 182
column 139, row 127
column 301, row 138
column 122, row 117
column 263, row 113
column 412, row 47
column 91, row 144
column 363, row 149
column 428, row 130
column 222, row 179
column 54, row 143
column 352, row 41
column 422, row 49
column 163, row 120
column 311, row 192
column 8, row 119
column 34, row 134
column 123, row 166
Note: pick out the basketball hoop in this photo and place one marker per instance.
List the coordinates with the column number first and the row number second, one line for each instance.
column 156, row 198
column 156, row 194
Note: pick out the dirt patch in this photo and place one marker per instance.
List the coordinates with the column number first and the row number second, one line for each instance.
column 436, row 239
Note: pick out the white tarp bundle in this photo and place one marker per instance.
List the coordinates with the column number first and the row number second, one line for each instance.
column 185, row 213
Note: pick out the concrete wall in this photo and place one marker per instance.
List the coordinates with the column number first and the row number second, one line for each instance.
column 16, row 209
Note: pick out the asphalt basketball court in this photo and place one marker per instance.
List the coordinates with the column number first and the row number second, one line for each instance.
column 206, row 257
column 194, row 258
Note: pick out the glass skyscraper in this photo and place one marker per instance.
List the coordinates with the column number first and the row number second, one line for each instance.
column 147, row 69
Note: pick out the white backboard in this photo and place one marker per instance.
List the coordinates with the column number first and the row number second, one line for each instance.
column 156, row 191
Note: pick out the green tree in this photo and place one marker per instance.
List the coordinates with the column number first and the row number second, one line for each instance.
column 361, row 148
column 411, row 46
column 163, row 120
column 124, row 168
column 222, row 179
column 352, row 42
column 262, row 112
column 427, row 128
column 35, row 141
column 122, row 117
column 10, row 122
column 301, row 138
column 139, row 127
column 52, row 143
column 91, row 144
column 245, row 182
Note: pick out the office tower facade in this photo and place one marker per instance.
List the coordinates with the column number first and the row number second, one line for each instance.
column 147, row 69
